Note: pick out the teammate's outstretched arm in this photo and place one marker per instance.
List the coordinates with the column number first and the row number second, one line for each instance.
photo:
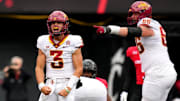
column 39, row 71
column 142, row 30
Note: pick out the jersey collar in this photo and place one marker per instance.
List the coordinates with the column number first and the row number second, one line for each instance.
column 58, row 44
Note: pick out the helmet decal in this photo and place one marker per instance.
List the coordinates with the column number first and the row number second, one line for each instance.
column 142, row 7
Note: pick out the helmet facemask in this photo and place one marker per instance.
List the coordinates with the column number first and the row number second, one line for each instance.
column 58, row 29
column 131, row 19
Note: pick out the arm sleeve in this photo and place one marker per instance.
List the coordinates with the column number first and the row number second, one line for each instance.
column 78, row 43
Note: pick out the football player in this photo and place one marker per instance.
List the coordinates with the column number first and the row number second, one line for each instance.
column 132, row 84
column 61, row 52
column 150, row 36
column 91, row 90
column 90, row 70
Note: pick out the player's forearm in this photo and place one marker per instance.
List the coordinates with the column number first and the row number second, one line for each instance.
column 117, row 30
column 77, row 62
column 75, row 78
column 78, row 67
column 39, row 75
column 78, row 72
column 40, row 64
column 130, row 31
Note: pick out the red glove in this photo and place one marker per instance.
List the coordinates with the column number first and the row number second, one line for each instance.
column 133, row 54
column 102, row 29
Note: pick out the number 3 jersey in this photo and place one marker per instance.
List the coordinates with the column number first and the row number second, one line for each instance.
column 59, row 55
column 153, row 49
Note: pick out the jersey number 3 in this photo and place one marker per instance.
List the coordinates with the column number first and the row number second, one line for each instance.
column 58, row 62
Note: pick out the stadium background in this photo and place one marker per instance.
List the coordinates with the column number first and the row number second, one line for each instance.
column 21, row 22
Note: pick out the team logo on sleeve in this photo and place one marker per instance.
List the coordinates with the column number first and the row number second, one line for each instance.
column 47, row 46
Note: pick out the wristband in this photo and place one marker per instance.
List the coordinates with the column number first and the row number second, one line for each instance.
column 114, row 29
column 67, row 90
column 41, row 85
column 73, row 80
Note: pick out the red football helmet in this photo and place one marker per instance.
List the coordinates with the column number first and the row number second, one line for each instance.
column 141, row 7
column 58, row 16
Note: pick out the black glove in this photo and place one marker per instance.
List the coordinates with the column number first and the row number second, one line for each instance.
column 79, row 84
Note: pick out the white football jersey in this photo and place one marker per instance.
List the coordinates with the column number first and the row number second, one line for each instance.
column 59, row 56
column 153, row 49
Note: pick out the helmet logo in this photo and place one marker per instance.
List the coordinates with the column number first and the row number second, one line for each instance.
column 143, row 5
column 54, row 18
column 65, row 17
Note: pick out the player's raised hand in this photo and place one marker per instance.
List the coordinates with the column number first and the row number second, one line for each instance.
column 65, row 91
column 102, row 29
column 46, row 90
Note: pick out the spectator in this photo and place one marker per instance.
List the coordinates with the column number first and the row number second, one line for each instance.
column 15, row 80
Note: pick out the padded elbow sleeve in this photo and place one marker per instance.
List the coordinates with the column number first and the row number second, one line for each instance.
column 134, row 32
